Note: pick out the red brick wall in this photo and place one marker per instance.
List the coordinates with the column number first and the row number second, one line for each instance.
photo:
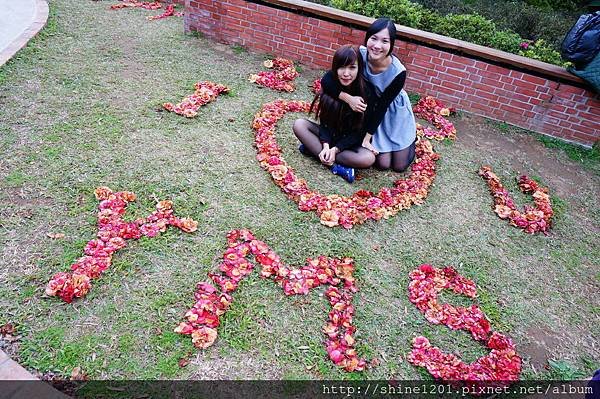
column 561, row 109
column 532, row 102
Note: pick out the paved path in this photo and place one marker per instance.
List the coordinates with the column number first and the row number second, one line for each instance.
column 18, row 383
column 20, row 20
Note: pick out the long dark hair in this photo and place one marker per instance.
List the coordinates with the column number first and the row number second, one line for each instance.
column 334, row 113
column 380, row 24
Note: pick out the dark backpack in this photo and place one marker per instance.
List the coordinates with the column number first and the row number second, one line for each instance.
column 582, row 43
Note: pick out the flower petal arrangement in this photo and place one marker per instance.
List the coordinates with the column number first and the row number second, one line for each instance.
column 214, row 298
column 146, row 5
column 434, row 111
column 532, row 219
column 315, row 88
column 169, row 12
column 205, row 92
column 113, row 233
column 501, row 365
column 281, row 77
column 336, row 210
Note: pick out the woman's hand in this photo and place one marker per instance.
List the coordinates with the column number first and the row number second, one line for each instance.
column 327, row 155
column 367, row 144
column 356, row 103
column 330, row 156
column 323, row 152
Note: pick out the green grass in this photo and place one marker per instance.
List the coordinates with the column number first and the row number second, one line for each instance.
column 574, row 152
column 414, row 98
column 80, row 111
column 588, row 158
column 504, row 127
column 15, row 179
column 563, row 370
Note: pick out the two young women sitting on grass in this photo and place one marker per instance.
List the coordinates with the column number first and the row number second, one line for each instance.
column 365, row 116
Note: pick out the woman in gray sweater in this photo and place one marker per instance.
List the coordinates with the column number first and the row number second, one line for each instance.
column 392, row 130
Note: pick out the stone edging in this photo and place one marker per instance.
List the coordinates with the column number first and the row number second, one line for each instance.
column 11, row 370
column 18, row 383
column 39, row 21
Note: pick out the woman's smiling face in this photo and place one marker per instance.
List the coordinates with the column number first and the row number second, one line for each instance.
column 347, row 74
column 378, row 45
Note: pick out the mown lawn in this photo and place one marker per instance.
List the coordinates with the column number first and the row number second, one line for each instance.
column 80, row 108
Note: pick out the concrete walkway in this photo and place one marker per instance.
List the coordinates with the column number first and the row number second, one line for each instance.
column 19, row 21
column 18, row 383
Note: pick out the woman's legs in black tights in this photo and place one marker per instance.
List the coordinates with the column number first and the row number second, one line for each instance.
column 398, row 161
column 362, row 158
column 308, row 134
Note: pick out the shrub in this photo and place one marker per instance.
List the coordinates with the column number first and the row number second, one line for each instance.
column 403, row 12
column 472, row 28
column 506, row 41
column 429, row 20
column 553, row 28
column 568, row 5
column 540, row 50
column 529, row 21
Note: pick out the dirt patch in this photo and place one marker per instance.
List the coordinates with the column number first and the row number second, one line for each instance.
column 23, row 199
column 222, row 48
column 22, row 204
column 130, row 70
column 18, row 250
column 524, row 153
column 131, row 67
column 217, row 368
column 538, row 349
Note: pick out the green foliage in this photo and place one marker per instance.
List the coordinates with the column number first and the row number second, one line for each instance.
column 574, row 152
column 196, row 33
column 401, row 11
column 569, row 5
column 414, row 98
column 492, row 310
column 16, row 179
column 506, row 41
column 561, row 370
column 526, row 20
column 471, row 27
column 539, row 50
column 239, row 49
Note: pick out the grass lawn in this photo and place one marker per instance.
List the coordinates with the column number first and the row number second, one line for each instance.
column 80, row 108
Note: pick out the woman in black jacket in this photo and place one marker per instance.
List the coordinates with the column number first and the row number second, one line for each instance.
column 337, row 139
